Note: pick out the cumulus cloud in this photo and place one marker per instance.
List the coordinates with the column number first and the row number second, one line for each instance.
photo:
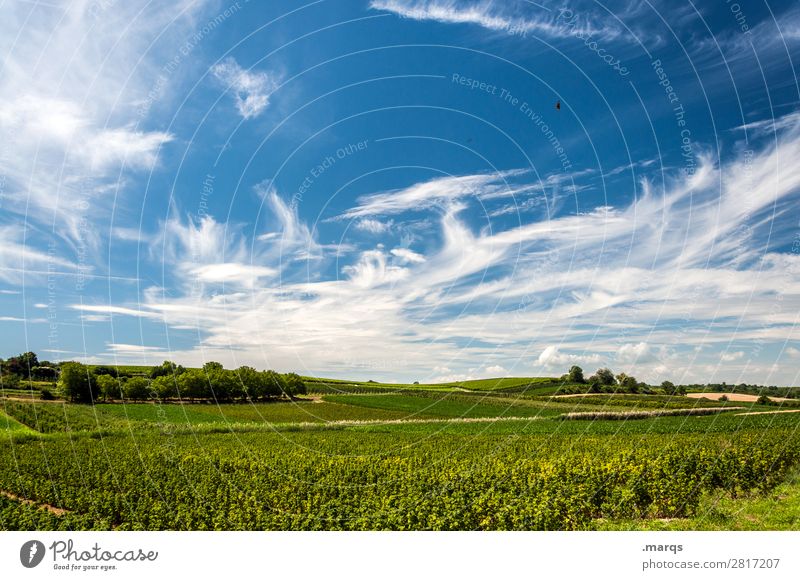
column 636, row 353
column 551, row 357
column 496, row 370
column 251, row 89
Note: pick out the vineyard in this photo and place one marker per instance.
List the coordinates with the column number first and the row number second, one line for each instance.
column 392, row 461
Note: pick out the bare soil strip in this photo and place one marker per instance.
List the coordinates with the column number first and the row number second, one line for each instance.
column 770, row 412
column 31, row 399
column 45, row 506
column 348, row 423
column 595, row 395
column 738, row 397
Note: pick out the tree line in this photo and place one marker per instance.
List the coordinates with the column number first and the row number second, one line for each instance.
column 605, row 381
column 26, row 366
column 83, row 384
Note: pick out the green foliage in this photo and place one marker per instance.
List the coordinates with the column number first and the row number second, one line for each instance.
column 370, row 481
column 604, row 376
column 109, row 386
column 294, row 385
column 77, row 383
column 58, row 417
column 418, row 406
column 9, row 381
column 44, row 373
column 277, row 412
column 136, row 389
column 575, row 375
column 19, row 516
column 166, row 369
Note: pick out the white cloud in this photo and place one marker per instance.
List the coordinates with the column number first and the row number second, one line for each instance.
column 509, row 17
column 252, row 90
column 496, row 370
column 373, row 269
column 373, row 226
column 232, row 273
column 19, row 260
column 552, row 357
column 108, row 309
column 25, row 320
column 406, row 256
column 792, row 352
column 72, row 75
column 437, row 192
column 635, row 353
column 732, row 356
column 131, row 348
column 766, row 127
column 671, row 276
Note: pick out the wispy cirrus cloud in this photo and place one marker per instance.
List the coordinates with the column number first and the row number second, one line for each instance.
column 251, row 89
column 72, row 75
column 530, row 298
column 518, row 18
column 438, row 192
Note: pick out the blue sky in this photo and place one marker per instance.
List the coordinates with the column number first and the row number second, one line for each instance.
column 387, row 190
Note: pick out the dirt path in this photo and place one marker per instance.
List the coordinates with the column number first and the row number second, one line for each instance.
column 353, row 423
column 45, row 506
column 738, row 397
column 30, row 399
column 770, row 412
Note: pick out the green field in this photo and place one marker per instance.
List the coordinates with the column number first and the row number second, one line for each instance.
column 485, row 455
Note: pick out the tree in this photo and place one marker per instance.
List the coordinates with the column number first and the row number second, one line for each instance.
column 9, row 381
column 193, row 384
column 13, row 366
column 628, row 383
column 271, row 384
column 109, row 387
column 164, row 387
column 294, row 385
column 224, row 384
column 136, row 388
column 44, row 373
column 249, row 382
column 576, row 375
column 167, row 368
column 605, row 376
column 77, row 383
column 104, row 370
column 669, row 387
column 764, row 400
column 212, row 366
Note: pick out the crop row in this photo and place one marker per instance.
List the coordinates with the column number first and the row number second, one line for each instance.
column 373, row 481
